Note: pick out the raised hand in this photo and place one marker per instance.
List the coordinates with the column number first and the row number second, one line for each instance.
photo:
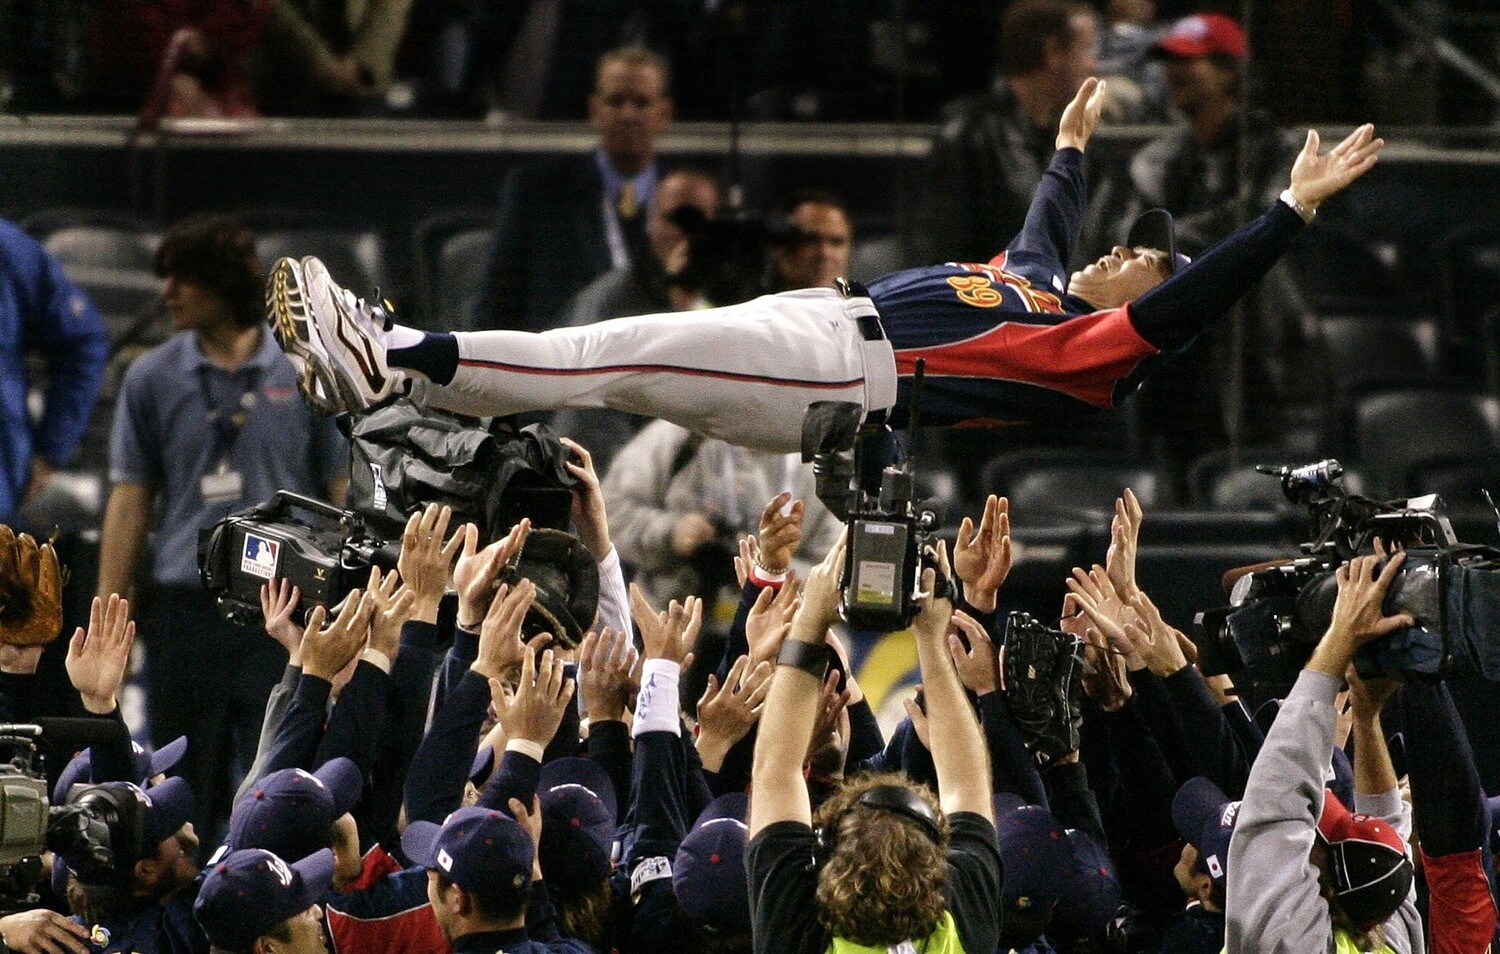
column 1105, row 611
column 1124, row 540
column 325, row 651
column 1316, row 177
column 1160, row 644
column 589, row 516
column 982, row 559
column 780, row 533
column 425, row 558
column 534, row 707
column 605, row 663
column 476, row 575
column 278, row 601
column 832, row 705
column 98, row 656
column 390, row 611
column 501, row 650
column 978, row 663
column 933, row 616
column 1105, row 679
column 726, row 713
column 670, row 634
column 44, row 932
column 770, row 619
column 820, row 596
column 1358, row 616
column 1081, row 116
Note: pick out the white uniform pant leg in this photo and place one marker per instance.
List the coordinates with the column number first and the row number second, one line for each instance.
column 743, row 374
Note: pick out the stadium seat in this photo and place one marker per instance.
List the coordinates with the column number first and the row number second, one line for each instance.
column 1400, row 434
column 451, row 252
column 95, row 238
column 1068, row 484
column 354, row 257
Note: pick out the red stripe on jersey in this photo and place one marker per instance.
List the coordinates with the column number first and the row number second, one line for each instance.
column 1083, row 357
column 1461, row 913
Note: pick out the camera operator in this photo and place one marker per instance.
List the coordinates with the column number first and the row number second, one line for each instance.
column 1304, row 874
column 810, row 240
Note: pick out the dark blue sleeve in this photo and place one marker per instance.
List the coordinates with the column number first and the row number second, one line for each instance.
column 435, row 785
column 865, row 738
column 1173, row 313
column 1054, row 221
column 609, row 745
column 736, row 644
column 460, row 657
column 1147, row 785
column 516, row 777
column 296, row 742
column 1153, row 704
column 565, row 742
column 1216, row 750
column 410, row 686
column 1448, row 803
column 113, row 761
column 1072, row 801
column 659, row 804
column 1011, row 765
column 17, row 696
column 63, row 325
column 357, row 723
column 392, row 894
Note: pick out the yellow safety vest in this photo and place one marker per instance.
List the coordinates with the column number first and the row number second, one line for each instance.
column 1344, row 944
column 943, row 940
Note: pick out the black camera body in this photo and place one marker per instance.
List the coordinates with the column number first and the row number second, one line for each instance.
column 883, row 565
column 319, row 548
column 1277, row 613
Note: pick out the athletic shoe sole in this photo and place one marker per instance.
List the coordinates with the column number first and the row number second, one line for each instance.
column 294, row 329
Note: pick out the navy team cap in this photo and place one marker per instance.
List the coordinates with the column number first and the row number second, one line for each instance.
column 479, row 849
column 247, row 893
column 1204, row 818
column 1155, row 228
column 291, row 812
column 708, row 874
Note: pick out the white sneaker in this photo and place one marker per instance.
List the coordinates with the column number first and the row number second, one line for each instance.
column 332, row 338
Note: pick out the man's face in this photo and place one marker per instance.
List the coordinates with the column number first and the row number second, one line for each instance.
column 1125, row 274
column 176, row 864
column 629, row 109
column 191, row 306
column 306, row 930
column 675, row 191
column 439, row 907
column 1198, row 83
column 1078, row 61
column 820, row 252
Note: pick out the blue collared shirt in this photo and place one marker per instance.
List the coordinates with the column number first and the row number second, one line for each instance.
column 644, row 183
column 163, row 438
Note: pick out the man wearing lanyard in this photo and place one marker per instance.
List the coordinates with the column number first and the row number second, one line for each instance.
column 208, row 423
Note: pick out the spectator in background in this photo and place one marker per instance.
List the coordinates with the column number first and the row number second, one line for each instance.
column 130, row 42
column 322, row 57
column 992, row 147
column 646, row 285
column 1138, row 89
column 208, row 423
column 42, row 312
column 562, row 223
column 811, row 240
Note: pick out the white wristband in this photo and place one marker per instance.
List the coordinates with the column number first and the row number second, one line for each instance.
column 527, row 748
column 656, row 706
column 376, row 658
column 1307, row 213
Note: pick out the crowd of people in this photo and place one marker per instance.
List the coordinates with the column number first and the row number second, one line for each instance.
column 413, row 769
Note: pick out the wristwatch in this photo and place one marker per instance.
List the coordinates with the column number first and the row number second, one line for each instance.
column 811, row 658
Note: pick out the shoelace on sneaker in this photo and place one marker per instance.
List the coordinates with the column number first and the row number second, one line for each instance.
column 378, row 313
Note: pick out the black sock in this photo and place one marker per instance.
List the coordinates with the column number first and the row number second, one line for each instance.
column 435, row 357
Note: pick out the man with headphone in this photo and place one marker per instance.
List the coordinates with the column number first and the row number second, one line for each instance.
column 886, row 864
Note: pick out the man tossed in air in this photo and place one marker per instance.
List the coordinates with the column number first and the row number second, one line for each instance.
column 1015, row 339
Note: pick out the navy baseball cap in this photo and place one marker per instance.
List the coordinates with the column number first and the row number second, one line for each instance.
column 248, row 892
column 291, row 812
column 1035, row 851
column 148, row 765
column 1367, row 857
column 1094, row 894
column 478, row 849
column 578, row 823
column 162, row 810
column 1155, row 228
column 1204, row 818
column 708, row 874
column 169, row 806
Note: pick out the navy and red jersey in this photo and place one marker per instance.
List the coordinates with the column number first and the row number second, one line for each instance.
column 1004, row 343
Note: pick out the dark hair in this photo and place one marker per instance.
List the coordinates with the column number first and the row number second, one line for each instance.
column 218, row 254
column 797, row 198
column 636, row 56
column 279, row 932
column 587, row 914
column 503, row 904
column 1028, row 25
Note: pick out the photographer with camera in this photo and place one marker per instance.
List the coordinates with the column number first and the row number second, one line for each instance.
column 1304, row 874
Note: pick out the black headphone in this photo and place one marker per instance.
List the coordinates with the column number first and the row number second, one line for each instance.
column 103, row 835
column 887, row 798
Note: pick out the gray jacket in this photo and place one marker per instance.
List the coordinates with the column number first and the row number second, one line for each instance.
column 1273, row 902
column 648, row 492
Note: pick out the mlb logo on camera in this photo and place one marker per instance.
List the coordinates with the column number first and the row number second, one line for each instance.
column 259, row 556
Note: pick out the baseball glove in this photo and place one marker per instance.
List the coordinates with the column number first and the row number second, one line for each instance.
column 1044, row 687
column 30, row 590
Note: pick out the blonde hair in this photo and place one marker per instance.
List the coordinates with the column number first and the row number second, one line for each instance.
column 884, row 880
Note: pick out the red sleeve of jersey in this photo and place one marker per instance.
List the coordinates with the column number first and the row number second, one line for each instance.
column 1084, row 356
column 1460, row 912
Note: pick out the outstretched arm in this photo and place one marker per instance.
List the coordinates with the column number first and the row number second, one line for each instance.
column 1054, row 220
